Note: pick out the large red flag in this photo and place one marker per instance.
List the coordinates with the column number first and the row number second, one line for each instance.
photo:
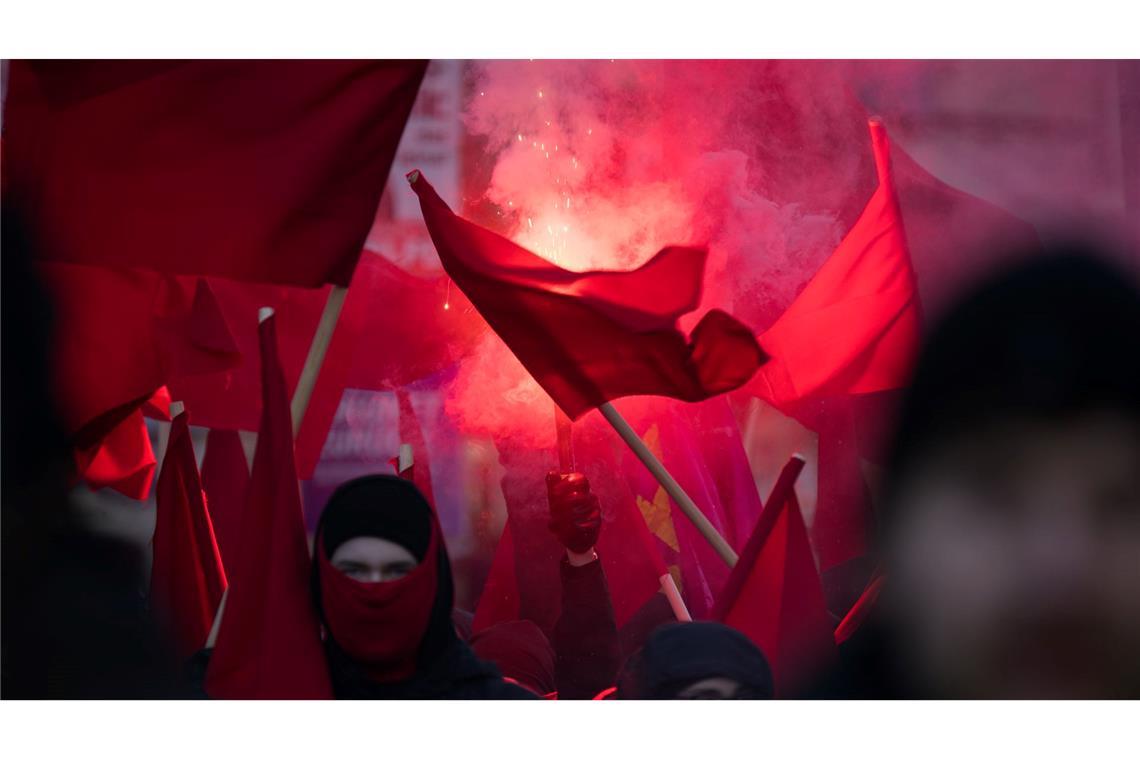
column 258, row 170
column 591, row 337
column 187, row 578
column 773, row 595
column 855, row 327
column 269, row 644
column 225, row 479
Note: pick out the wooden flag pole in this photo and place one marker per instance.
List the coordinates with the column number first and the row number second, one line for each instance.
column 316, row 357
column 671, row 486
column 566, row 465
column 673, row 594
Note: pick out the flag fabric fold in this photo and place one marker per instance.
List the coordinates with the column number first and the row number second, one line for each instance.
column 257, row 170
column 773, row 595
column 187, row 576
column 591, row 337
column 225, row 479
column 269, row 644
column 123, row 460
column 855, row 326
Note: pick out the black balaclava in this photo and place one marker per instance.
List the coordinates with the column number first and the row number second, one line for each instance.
column 391, row 508
column 678, row 655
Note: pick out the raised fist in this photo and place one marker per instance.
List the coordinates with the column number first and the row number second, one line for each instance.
column 575, row 516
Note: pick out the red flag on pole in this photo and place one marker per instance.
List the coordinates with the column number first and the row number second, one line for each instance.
column 187, row 578
column 225, row 479
column 855, row 327
column 773, row 595
column 257, row 170
column 269, row 644
column 591, row 337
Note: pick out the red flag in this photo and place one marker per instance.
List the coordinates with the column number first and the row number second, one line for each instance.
column 121, row 334
column 855, row 327
column 232, row 399
column 591, row 337
column 371, row 348
column 269, row 644
column 187, row 578
column 122, row 460
column 258, row 170
column 499, row 601
column 225, row 479
column 374, row 349
column 773, row 595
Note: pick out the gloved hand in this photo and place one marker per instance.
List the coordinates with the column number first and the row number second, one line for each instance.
column 575, row 516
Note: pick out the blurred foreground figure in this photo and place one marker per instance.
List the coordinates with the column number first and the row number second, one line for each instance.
column 696, row 661
column 74, row 621
column 1011, row 532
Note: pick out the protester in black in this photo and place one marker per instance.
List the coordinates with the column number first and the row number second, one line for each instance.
column 386, row 600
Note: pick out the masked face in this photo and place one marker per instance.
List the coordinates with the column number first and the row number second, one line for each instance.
column 1016, row 562
column 377, row 600
column 373, row 560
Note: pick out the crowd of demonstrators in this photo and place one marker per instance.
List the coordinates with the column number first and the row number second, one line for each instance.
column 1009, row 549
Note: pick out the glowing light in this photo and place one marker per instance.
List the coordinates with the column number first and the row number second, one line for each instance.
column 540, row 93
column 520, row 136
column 446, row 306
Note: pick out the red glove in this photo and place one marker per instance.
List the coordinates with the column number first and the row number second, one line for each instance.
column 575, row 516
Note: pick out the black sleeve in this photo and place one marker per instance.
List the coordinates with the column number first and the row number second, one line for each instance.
column 585, row 640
